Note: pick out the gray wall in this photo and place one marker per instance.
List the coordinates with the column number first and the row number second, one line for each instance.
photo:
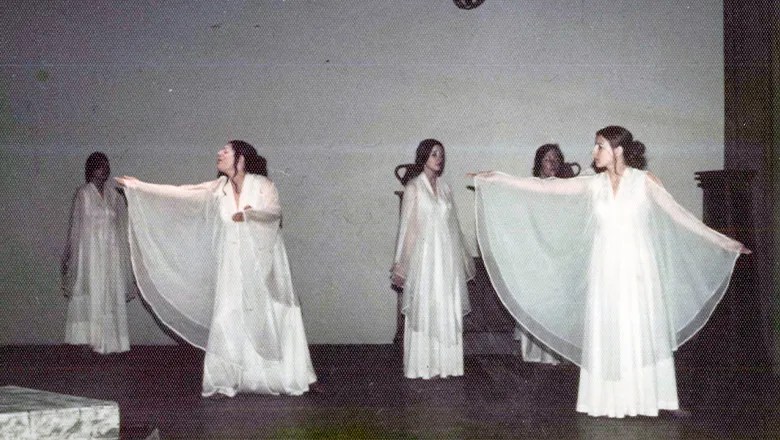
column 334, row 94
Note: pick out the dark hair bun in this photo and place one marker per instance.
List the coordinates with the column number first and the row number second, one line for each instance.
column 634, row 154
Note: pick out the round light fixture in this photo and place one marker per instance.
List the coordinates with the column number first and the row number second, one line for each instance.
column 468, row 4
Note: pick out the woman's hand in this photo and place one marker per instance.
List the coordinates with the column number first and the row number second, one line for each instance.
column 124, row 179
column 239, row 216
column 395, row 279
column 744, row 250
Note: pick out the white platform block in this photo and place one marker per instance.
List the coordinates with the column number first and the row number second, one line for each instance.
column 34, row 414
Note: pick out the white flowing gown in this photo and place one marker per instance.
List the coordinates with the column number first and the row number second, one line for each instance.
column 223, row 286
column 613, row 281
column 435, row 264
column 96, row 273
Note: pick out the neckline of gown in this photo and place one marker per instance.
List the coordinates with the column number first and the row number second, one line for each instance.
column 430, row 186
column 237, row 203
column 615, row 192
column 102, row 197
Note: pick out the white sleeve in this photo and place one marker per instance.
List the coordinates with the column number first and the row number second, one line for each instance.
column 687, row 220
column 536, row 243
column 408, row 232
column 269, row 210
column 576, row 185
column 464, row 253
column 173, row 233
column 70, row 256
column 265, row 269
column 695, row 262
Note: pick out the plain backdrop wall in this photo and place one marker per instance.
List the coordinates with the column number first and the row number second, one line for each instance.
column 334, row 94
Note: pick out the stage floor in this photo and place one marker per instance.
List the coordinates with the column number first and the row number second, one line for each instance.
column 365, row 396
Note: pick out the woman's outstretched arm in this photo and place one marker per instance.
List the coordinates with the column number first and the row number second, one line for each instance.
column 684, row 218
column 575, row 185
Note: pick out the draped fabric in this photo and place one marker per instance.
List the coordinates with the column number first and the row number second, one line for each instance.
column 433, row 260
column 97, row 276
column 614, row 281
column 223, row 286
column 536, row 244
column 174, row 237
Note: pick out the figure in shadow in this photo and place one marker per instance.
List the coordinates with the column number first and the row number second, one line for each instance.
column 97, row 277
column 548, row 162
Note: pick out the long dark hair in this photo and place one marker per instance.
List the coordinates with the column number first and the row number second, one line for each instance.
column 253, row 162
column 95, row 160
column 633, row 150
column 423, row 153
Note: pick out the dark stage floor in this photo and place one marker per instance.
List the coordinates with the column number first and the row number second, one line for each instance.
column 366, row 396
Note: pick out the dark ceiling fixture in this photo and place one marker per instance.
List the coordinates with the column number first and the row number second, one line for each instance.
column 468, row 4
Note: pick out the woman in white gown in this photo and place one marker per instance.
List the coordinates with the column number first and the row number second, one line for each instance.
column 548, row 162
column 607, row 270
column 433, row 266
column 211, row 262
column 96, row 274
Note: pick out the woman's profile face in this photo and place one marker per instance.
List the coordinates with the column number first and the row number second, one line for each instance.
column 603, row 155
column 435, row 160
column 551, row 163
column 226, row 158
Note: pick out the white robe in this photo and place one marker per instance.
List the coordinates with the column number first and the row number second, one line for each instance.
column 615, row 282
column 96, row 274
column 223, row 286
column 532, row 350
column 435, row 264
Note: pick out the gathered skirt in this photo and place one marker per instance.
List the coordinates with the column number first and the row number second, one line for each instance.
column 426, row 357
column 99, row 321
column 236, row 367
column 641, row 391
column 232, row 364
